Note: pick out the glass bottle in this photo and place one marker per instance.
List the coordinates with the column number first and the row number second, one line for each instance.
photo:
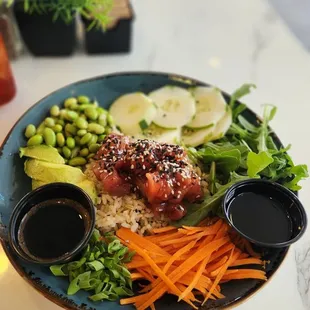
column 7, row 83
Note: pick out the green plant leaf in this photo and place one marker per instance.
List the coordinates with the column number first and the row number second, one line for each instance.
column 258, row 162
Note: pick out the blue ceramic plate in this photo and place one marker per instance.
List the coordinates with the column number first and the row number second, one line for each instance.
column 14, row 184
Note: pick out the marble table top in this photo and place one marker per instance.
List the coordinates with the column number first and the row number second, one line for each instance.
column 225, row 43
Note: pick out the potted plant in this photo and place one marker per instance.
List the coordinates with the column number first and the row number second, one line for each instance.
column 116, row 36
column 48, row 27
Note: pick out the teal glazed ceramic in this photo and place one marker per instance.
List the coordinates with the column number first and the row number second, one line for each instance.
column 14, row 184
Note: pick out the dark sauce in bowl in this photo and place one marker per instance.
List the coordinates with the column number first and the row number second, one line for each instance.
column 260, row 217
column 265, row 213
column 52, row 228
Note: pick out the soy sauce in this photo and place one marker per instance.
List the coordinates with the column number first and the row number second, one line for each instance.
column 52, row 228
column 260, row 217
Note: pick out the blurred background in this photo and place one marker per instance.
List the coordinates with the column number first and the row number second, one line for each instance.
column 45, row 45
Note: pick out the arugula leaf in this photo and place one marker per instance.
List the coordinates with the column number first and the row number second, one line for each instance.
column 226, row 156
column 243, row 90
column 298, row 173
column 269, row 113
column 197, row 212
column 258, row 162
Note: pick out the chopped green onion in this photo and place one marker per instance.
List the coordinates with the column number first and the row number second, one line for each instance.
column 123, row 291
column 100, row 269
column 59, row 270
column 98, row 297
column 76, row 264
column 74, row 286
column 95, row 265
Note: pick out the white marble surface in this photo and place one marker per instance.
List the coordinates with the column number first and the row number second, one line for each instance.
column 222, row 42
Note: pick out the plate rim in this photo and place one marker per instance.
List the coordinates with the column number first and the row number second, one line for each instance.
column 64, row 303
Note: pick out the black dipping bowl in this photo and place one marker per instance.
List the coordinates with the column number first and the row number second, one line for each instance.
column 288, row 200
column 41, row 194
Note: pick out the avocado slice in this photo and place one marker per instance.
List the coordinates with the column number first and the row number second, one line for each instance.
column 87, row 185
column 42, row 152
column 36, row 183
column 51, row 172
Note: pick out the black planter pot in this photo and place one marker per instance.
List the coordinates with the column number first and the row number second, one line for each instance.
column 42, row 36
column 111, row 41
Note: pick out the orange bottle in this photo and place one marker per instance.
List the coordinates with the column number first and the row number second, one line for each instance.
column 7, row 83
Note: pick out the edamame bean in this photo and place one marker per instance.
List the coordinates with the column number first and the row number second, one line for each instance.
column 60, row 122
column 54, row 111
column 77, row 140
column 93, row 148
column 49, row 136
column 77, row 161
column 35, row 140
column 84, row 152
column 108, row 131
column 57, row 128
column 66, row 151
column 110, row 120
column 62, row 114
column 83, row 107
column 91, row 113
column 60, row 139
column 30, row 131
column 81, row 132
column 101, row 138
column 69, row 128
column 93, row 140
column 83, row 99
column 96, row 128
column 70, row 143
column 49, row 122
column 102, row 111
column 86, row 138
column 102, row 120
column 83, row 116
column 75, row 152
column 71, row 116
column 90, row 155
column 41, row 128
column 74, row 106
column 81, row 123
column 69, row 101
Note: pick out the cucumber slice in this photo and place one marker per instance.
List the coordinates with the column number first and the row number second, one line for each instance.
column 153, row 132
column 222, row 126
column 192, row 137
column 210, row 107
column 176, row 106
column 133, row 112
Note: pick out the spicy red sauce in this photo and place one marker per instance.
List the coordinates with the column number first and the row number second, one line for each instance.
column 160, row 172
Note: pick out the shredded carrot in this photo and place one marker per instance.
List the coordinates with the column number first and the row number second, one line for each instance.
column 164, row 229
column 247, row 261
column 188, row 262
column 218, row 277
column 157, row 270
column 127, row 235
column 195, row 279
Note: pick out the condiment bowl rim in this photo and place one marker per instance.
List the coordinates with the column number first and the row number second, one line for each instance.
column 13, row 226
column 276, row 186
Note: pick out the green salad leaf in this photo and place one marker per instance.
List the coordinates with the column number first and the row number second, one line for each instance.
column 243, row 90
